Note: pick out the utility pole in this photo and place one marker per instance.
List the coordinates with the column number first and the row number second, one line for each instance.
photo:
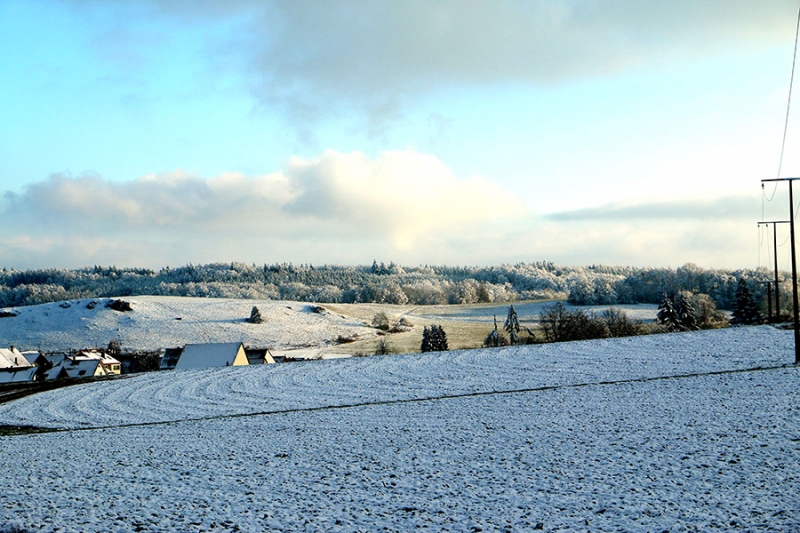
column 775, row 257
column 768, row 283
column 796, row 317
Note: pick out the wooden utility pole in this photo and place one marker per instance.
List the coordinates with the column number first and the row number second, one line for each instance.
column 768, row 283
column 796, row 317
column 775, row 257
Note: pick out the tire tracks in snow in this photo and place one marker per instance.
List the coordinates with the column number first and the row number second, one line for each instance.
column 14, row 430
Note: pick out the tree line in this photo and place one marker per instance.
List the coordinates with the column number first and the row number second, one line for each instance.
column 382, row 283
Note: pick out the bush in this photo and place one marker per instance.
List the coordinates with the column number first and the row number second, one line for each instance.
column 708, row 316
column 120, row 305
column 560, row 324
column 381, row 321
column 382, row 348
column 619, row 325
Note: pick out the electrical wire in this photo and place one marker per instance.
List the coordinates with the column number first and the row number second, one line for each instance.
column 789, row 100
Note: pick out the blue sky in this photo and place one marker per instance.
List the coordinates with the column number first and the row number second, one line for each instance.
column 152, row 133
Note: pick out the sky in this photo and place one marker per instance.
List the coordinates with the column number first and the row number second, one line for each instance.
column 155, row 133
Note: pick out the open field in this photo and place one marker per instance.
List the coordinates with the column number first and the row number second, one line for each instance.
column 682, row 432
column 289, row 328
column 466, row 325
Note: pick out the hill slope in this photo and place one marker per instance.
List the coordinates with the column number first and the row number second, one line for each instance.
column 683, row 432
column 162, row 321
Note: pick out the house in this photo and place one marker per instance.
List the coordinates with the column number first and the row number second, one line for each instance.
column 85, row 363
column 212, row 355
column 170, row 358
column 109, row 366
column 14, row 367
column 259, row 356
column 71, row 366
column 40, row 361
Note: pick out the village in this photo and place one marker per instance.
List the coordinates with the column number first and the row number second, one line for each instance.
column 27, row 366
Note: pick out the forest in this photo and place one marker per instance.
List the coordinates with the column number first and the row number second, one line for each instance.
column 392, row 284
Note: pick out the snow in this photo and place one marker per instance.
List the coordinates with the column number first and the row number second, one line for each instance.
column 681, row 432
column 158, row 322
column 211, row 355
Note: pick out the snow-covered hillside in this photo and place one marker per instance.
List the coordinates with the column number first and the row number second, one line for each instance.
column 160, row 322
column 683, row 432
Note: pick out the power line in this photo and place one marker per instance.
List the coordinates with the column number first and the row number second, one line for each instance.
column 789, row 99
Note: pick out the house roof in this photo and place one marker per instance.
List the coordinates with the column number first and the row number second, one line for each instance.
column 31, row 356
column 13, row 358
column 259, row 356
column 209, row 355
column 75, row 367
column 103, row 357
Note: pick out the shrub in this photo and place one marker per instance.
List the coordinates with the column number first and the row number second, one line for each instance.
column 120, row 305
column 381, row 321
column 619, row 325
column 560, row 324
column 382, row 348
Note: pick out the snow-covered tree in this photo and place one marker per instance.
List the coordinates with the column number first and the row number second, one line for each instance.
column 434, row 339
column 687, row 315
column 667, row 314
column 495, row 339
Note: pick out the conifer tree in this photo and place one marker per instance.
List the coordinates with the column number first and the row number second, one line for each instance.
column 493, row 339
column 687, row 316
column 255, row 316
column 511, row 325
column 667, row 314
column 745, row 307
column 426, row 340
column 434, row 339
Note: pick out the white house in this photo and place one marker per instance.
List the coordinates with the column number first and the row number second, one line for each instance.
column 14, row 367
column 212, row 355
column 84, row 364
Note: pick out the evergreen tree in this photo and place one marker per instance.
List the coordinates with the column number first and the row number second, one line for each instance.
column 677, row 312
column 494, row 339
column 511, row 325
column 426, row 340
column 667, row 314
column 434, row 339
column 438, row 339
column 255, row 316
column 745, row 307
column 687, row 316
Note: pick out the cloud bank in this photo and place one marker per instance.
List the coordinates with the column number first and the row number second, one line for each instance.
column 347, row 208
column 324, row 209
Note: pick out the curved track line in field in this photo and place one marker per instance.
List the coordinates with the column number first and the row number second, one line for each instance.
column 33, row 429
column 195, row 394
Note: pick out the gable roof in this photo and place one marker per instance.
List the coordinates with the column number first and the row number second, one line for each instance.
column 259, row 356
column 73, row 367
column 13, row 358
column 212, row 355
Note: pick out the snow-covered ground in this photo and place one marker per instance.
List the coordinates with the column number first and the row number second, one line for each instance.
column 683, row 432
column 162, row 322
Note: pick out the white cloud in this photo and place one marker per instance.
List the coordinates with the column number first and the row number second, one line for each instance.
column 395, row 203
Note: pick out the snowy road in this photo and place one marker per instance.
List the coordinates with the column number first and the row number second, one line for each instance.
column 712, row 452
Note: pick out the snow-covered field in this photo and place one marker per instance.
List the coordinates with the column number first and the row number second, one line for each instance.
column 683, row 432
column 162, row 322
